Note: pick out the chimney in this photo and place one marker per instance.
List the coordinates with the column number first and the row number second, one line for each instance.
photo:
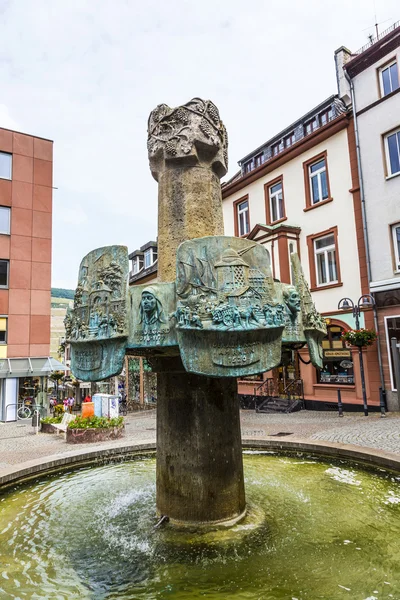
column 342, row 56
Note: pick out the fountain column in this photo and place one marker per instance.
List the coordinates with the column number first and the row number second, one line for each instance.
column 199, row 453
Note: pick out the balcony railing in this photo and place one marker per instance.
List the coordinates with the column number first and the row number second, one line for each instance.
column 377, row 38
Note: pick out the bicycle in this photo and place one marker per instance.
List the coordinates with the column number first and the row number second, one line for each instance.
column 26, row 412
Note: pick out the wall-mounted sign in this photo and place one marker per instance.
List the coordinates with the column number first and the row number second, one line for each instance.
column 337, row 353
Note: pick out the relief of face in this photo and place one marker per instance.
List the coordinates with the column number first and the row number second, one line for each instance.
column 148, row 302
column 293, row 302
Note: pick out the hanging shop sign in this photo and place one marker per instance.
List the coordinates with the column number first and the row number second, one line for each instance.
column 337, row 353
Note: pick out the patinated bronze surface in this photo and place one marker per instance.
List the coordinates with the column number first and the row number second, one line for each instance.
column 216, row 314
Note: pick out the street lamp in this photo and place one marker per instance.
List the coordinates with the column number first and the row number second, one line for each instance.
column 365, row 301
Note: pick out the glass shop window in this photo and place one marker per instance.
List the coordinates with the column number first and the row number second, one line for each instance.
column 337, row 359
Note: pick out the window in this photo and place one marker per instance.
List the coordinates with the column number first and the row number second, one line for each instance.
column 5, row 165
column 277, row 148
column 289, row 140
column 310, row 126
column 396, row 246
column 392, row 325
column 325, row 260
column 336, row 358
column 3, row 330
column 277, row 211
column 318, row 181
column 247, row 167
column 137, row 264
column 392, row 146
column 389, row 78
column 150, row 257
column 325, row 116
column 5, row 220
column 258, row 160
column 242, row 218
column 4, row 264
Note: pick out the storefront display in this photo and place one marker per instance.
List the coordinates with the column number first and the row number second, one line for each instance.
column 337, row 359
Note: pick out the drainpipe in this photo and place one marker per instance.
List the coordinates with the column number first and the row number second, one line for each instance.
column 364, row 220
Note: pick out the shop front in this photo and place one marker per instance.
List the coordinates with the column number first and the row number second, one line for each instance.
column 340, row 371
column 24, row 383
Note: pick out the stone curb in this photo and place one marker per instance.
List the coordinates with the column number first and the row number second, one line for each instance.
column 55, row 463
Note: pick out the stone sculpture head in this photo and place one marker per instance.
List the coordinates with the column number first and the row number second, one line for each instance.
column 151, row 311
column 292, row 300
column 190, row 134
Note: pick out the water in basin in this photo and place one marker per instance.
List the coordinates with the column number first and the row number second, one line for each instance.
column 316, row 530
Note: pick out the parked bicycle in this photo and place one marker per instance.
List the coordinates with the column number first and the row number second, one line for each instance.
column 26, row 411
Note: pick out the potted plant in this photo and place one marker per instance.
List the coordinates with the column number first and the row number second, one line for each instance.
column 360, row 337
column 84, row 430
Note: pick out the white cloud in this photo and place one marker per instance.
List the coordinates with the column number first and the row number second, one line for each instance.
column 87, row 73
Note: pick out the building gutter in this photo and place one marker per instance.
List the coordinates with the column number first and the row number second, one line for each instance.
column 364, row 220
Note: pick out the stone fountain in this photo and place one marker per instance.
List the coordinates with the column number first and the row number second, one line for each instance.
column 214, row 315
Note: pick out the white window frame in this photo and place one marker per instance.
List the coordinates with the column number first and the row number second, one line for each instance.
column 274, row 197
column 148, row 253
column 10, row 155
column 395, row 132
column 317, row 174
column 8, row 209
column 242, row 212
column 395, row 246
column 394, row 389
column 136, row 268
column 325, row 250
column 387, row 66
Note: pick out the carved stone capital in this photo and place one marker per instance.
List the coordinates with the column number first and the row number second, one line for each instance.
column 189, row 135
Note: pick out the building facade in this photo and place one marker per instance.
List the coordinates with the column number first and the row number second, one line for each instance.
column 298, row 192
column 369, row 83
column 26, row 172
column 140, row 381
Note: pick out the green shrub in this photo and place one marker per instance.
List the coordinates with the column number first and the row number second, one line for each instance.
column 95, row 422
column 57, row 419
column 59, row 411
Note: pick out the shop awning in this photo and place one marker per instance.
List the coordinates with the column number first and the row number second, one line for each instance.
column 30, row 367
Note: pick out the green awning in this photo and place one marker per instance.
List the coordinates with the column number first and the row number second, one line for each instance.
column 30, row 367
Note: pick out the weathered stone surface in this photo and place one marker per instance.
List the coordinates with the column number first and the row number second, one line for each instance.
column 188, row 153
column 199, row 452
column 92, row 435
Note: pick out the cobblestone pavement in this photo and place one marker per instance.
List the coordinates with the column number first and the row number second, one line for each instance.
column 19, row 443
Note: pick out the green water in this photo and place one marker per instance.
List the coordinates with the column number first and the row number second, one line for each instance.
column 330, row 531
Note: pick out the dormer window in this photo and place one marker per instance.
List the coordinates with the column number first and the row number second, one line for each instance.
column 137, row 264
column 150, row 257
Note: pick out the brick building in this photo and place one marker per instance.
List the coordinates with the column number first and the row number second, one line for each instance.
column 26, row 172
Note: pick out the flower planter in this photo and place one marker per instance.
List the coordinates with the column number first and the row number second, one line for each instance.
column 91, row 435
column 47, row 428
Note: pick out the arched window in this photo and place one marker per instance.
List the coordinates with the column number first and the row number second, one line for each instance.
column 337, row 359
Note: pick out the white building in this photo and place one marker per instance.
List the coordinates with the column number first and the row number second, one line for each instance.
column 299, row 192
column 369, row 81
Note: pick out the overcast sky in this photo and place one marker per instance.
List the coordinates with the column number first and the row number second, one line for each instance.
column 87, row 73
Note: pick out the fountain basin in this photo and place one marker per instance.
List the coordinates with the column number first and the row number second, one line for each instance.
column 317, row 528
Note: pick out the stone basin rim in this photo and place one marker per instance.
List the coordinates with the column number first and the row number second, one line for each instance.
column 56, row 463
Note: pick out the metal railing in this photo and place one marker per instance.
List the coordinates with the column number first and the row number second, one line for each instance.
column 377, row 38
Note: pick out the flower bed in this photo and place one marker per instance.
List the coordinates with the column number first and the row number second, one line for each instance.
column 86, row 430
column 47, row 424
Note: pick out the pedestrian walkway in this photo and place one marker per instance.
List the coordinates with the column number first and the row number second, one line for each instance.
column 19, row 443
